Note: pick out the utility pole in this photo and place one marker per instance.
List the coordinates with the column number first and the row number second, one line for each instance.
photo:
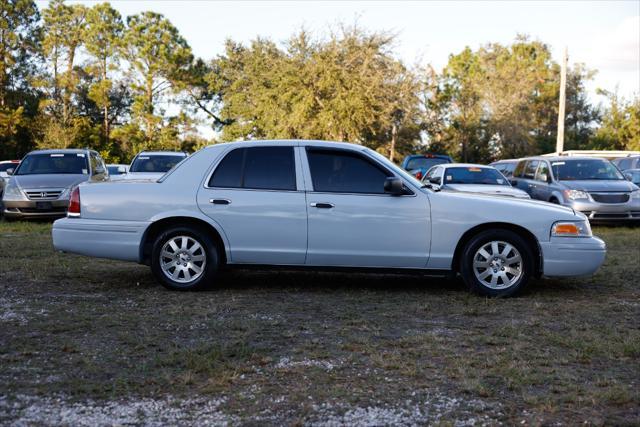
column 561, row 109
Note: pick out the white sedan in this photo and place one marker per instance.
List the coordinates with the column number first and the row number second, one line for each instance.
column 316, row 204
column 471, row 178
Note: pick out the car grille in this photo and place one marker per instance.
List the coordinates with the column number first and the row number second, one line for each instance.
column 610, row 197
column 48, row 194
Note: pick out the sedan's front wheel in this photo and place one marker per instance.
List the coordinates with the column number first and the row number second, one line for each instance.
column 184, row 258
column 497, row 263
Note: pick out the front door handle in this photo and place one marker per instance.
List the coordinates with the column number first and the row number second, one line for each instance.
column 322, row 205
column 220, row 201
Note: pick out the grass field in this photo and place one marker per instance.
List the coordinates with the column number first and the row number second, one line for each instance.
column 86, row 341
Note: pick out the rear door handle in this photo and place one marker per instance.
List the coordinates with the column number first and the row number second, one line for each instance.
column 322, row 205
column 220, row 201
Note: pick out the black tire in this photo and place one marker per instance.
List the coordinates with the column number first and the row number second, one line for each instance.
column 209, row 250
column 483, row 238
column 554, row 201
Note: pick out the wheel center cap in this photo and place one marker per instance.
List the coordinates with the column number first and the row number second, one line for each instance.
column 184, row 257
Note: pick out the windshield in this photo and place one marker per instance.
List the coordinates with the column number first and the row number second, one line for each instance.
column 53, row 163
column 424, row 162
column 389, row 164
column 156, row 163
column 474, row 175
column 585, row 169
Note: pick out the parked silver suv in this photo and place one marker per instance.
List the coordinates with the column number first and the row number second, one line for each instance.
column 40, row 186
column 590, row 185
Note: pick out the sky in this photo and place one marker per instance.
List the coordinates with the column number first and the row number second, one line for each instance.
column 605, row 35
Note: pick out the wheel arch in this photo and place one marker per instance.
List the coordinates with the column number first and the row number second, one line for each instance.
column 529, row 237
column 163, row 223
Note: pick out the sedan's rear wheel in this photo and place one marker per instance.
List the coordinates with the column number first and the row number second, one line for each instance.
column 497, row 263
column 184, row 258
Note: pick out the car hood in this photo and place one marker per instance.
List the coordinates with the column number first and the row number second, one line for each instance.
column 49, row 180
column 514, row 203
column 498, row 190
column 600, row 185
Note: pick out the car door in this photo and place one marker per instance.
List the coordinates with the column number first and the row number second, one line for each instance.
column 353, row 222
column 542, row 189
column 255, row 195
column 527, row 181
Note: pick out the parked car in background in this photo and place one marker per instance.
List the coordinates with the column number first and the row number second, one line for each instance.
column 117, row 171
column 418, row 164
column 471, row 178
column 6, row 165
column 151, row 165
column 41, row 184
column 633, row 175
column 590, row 185
column 626, row 163
column 318, row 204
column 505, row 167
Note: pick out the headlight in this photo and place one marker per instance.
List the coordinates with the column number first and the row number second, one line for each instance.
column 635, row 194
column 571, row 229
column 576, row 194
column 13, row 193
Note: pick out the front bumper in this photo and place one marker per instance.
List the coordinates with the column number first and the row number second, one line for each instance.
column 572, row 256
column 598, row 212
column 26, row 209
column 99, row 238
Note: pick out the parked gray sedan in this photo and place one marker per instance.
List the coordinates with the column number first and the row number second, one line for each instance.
column 41, row 184
column 317, row 204
column 589, row 185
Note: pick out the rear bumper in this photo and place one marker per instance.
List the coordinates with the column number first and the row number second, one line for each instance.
column 25, row 209
column 99, row 238
column 599, row 212
column 572, row 256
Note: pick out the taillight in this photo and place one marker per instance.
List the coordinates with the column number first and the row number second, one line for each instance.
column 419, row 175
column 74, row 203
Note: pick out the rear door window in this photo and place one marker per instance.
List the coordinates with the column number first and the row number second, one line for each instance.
column 259, row 168
column 337, row 171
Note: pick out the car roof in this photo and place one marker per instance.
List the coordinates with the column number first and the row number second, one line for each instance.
column 464, row 165
column 9, row 161
column 163, row 153
column 294, row 142
column 61, row 150
column 505, row 161
column 562, row 158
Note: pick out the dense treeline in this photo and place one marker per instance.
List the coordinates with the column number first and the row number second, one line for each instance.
column 78, row 76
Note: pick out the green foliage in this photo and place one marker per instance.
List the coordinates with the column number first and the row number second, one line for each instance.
column 19, row 38
column 84, row 77
column 501, row 102
column 347, row 88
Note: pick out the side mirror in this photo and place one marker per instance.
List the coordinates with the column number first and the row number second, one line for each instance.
column 10, row 171
column 99, row 170
column 513, row 182
column 394, row 186
column 434, row 180
column 628, row 176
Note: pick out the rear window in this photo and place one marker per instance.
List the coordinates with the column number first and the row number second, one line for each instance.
column 54, row 163
column 155, row 163
column 5, row 166
column 260, row 168
column 425, row 162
